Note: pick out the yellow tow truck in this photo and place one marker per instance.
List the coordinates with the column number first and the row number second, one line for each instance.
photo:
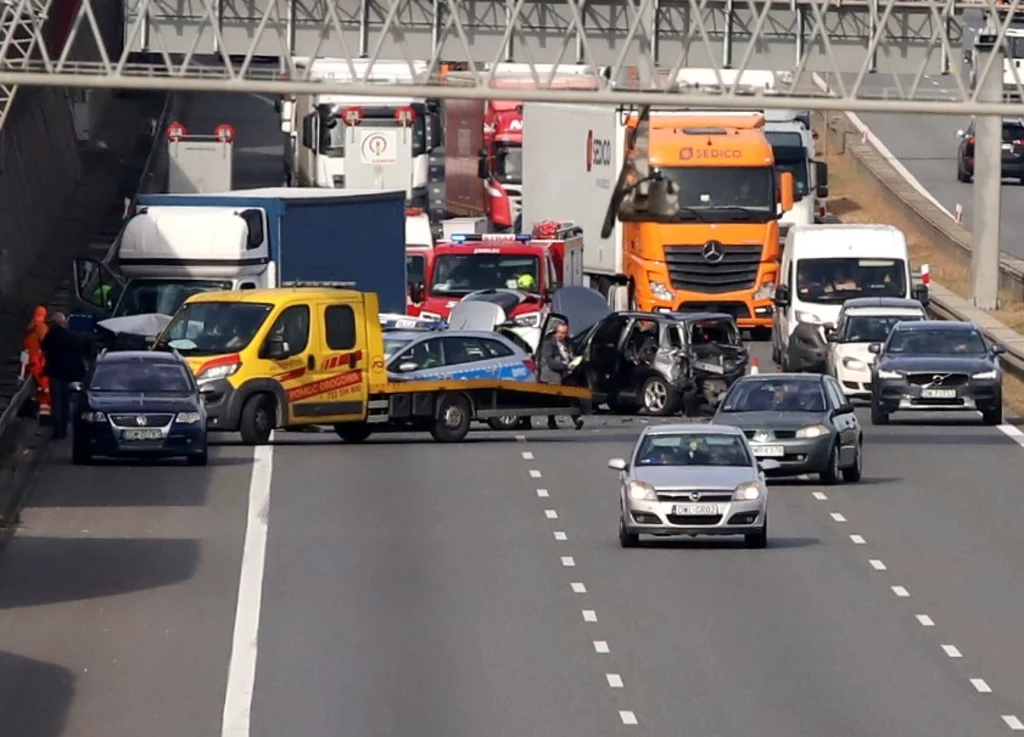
column 293, row 357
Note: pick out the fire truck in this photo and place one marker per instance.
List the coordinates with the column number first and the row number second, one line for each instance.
column 483, row 169
column 526, row 268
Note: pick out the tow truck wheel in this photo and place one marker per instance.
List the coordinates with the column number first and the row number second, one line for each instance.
column 257, row 421
column 658, row 397
column 353, row 432
column 453, row 418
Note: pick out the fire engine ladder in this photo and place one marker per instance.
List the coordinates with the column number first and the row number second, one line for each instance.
column 21, row 26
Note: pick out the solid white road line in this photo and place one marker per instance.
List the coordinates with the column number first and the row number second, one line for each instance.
column 1013, row 722
column 877, row 564
column 819, row 495
column 550, row 514
column 244, row 641
column 600, row 646
column 542, row 493
column 925, row 620
column 951, row 651
column 568, row 562
column 578, row 588
column 837, row 517
column 560, row 536
column 527, row 455
column 857, row 539
column 980, row 686
column 589, row 615
column 628, row 718
column 900, row 592
column 534, row 473
column 614, row 680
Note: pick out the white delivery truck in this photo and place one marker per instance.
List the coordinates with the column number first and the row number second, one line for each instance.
column 572, row 155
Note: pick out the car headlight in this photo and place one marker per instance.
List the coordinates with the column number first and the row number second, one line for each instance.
column 993, row 374
column 430, row 315
column 222, row 371
column 883, row 374
column 812, row 431
column 807, row 317
column 94, row 416
column 746, row 492
column 661, row 291
column 188, row 418
column 765, row 291
column 527, row 320
column 641, row 492
column 854, row 364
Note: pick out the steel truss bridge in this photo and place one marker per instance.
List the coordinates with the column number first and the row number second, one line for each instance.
column 897, row 55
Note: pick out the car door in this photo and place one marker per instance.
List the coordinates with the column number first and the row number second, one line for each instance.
column 96, row 288
column 780, row 334
column 507, row 365
column 466, row 358
column 293, row 325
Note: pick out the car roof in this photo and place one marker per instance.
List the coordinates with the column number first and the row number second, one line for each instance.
column 139, row 356
column 753, row 378
column 889, row 302
column 277, row 295
column 951, row 326
column 411, row 335
column 692, row 428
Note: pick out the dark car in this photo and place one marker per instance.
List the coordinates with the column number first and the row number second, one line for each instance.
column 803, row 421
column 139, row 404
column 933, row 365
column 1012, row 149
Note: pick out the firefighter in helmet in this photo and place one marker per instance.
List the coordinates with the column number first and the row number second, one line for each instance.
column 526, row 282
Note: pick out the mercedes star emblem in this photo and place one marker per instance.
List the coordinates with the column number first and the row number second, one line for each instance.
column 140, row 421
column 695, row 496
column 713, row 252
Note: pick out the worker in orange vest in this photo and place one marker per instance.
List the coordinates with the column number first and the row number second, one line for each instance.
column 33, row 363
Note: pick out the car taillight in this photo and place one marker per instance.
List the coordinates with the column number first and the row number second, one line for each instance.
column 530, row 364
column 971, row 140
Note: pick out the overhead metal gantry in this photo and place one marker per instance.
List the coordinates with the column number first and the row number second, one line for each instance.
column 900, row 55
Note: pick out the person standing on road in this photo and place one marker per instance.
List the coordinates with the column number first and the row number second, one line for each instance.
column 556, row 363
column 34, row 363
column 64, row 364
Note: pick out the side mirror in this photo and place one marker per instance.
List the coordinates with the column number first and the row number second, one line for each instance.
column 786, row 191
column 482, row 169
column 821, row 176
column 843, row 409
column 309, row 132
column 998, row 349
column 822, row 191
column 75, row 386
column 782, row 296
column 921, row 294
column 205, row 392
column 416, row 292
column 832, row 336
column 618, row 464
column 875, row 348
column 408, row 366
column 277, row 349
column 769, row 464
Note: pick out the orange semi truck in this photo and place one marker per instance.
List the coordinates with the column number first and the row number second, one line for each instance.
column 696, row 227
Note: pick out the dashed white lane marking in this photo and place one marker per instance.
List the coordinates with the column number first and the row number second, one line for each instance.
column 235, row 721
column 857, row 539
column 820, row 496
column 589, row 615
column 600, row 646
column 877, row 564
column 543, row 493
column 550, row 514
column 521, row 438
column 578, row 588
column 980, row 686
column 614, row 680
column 628, row 718
column 560, row 536
column 1013, row 722
column 527, row 455
column 837, row 517
column 568, row 562
column 534, row 473
column 951, row 651
column 925, row 620
column 900, row 592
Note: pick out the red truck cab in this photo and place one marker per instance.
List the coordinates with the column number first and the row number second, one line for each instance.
column 551, row 256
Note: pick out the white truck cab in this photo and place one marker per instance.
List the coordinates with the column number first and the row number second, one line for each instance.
column 793, row 145
column 822, row 267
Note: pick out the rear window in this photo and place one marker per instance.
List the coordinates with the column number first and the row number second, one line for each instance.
column 1013, row 132
column 718, row 332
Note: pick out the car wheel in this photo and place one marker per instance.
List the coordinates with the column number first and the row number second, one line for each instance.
column 199, row 459
column 878, row 415
column 758, row 539
column 627, row 539
column 453, row 418
column 258, row 417
column 508, row 422
column 832, row 473
column 659, row 398
column 993, row 416
column 854, row 472
column 80, row 455
column 353, row 432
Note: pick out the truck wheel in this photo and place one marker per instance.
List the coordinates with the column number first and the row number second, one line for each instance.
column 453, row 418
column 353, row 432
column 508, row 422
column 257, row 421
column 659, row 398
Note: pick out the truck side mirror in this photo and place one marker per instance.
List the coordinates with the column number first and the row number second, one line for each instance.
column 482, row 170
column 782, row 296
column 821, row 177
column 309, row 132
column 786, row 191
column 921, row 294
column 416, row 293
column 277, row 349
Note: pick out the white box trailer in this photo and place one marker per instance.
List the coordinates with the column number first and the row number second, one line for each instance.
column 572, row 156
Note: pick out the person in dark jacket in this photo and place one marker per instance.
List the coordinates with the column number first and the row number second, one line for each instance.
column 64, row 364
column 556, row 362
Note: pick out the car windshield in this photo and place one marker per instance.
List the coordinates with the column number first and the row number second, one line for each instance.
column 775, row 396
column 394, row 345
column 144, row 297
column 748, row 188
column 460, row 274
column 140, row 377
column 693, row 449
column 213, row 328
column 872, row 328
column 830, row 280
column 509, row 164
column 936, row 343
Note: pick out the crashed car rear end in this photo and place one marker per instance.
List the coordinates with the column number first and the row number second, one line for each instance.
column 718, row 356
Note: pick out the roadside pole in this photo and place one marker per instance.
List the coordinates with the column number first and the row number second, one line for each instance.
column 988, row 176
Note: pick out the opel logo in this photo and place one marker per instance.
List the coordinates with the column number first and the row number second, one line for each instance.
column 936, row 378
column 140, row 421
column 760, row 436
column 694, row 496
column 713, row 252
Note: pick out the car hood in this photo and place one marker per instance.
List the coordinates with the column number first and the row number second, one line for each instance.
column 855, row 350
column 938, row 364
column 686, row 477
column 138, row 402
column 770, row 420
column 582, row 306
column 151, row 324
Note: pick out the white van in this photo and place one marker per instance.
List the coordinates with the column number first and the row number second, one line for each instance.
column 822, row 267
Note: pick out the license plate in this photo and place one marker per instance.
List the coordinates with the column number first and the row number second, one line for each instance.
column 938, row 393
column 694, row 510
column 712, row 367
column 141, row 434
column 768, row 451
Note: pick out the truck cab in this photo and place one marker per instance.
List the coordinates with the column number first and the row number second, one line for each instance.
column 793, row 146
column 535, row 264
column 419, row 253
